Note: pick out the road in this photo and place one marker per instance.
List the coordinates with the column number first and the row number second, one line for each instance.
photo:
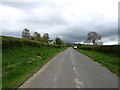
column 71, row 69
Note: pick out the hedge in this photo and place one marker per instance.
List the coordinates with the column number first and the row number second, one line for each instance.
column 114, row 49
column 11, row 42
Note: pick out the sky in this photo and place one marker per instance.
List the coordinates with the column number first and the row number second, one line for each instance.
column 71, row 20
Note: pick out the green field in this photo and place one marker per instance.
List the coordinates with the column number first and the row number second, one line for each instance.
column 108, row 60
column 22, row 59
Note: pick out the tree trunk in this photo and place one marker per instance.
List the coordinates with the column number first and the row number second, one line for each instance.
column 93, row 42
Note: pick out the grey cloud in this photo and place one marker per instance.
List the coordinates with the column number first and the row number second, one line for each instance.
column 79, row 33
column 15, row 34
column 56, row 24
column 27, row 6
column 21, row 5
column 113, row 38
column 50, row 20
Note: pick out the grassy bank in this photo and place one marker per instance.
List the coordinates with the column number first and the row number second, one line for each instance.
column 110, row 61
column 22, row 58
column 20, row 63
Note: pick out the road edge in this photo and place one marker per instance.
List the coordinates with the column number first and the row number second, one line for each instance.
column 40, row 70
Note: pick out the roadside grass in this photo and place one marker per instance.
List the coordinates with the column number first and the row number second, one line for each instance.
column 110, row 61
column 20, row 63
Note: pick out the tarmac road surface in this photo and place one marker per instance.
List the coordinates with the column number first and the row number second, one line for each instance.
column 71, row 69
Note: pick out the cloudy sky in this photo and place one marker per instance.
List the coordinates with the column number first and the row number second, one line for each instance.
column 69, row 19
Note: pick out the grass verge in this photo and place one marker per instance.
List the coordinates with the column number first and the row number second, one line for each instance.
column 19, row 63
column 109, row 61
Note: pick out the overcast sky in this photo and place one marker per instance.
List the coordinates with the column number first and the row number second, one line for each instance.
column 69, row 19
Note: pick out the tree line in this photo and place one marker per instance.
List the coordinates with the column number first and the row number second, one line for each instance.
column 92, row 37
column 37, row 37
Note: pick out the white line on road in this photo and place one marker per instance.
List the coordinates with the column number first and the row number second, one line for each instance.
column 76, row 80
column 54, row 79
column 74, row 69
column 78, row 83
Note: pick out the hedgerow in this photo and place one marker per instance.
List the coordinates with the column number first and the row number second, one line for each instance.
column 11, row 42
column 114, row 49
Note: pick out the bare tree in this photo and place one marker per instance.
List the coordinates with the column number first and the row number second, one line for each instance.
column 94, row 38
